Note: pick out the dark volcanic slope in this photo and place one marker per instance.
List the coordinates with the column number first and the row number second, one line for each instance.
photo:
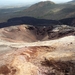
column 68, row 21
column 28, row 29
column 28, row 21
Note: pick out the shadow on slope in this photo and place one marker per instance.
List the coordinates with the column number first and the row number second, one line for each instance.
column 28, row 21
column 68, row 21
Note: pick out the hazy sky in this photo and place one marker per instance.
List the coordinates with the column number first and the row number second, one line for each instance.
column 11, row 2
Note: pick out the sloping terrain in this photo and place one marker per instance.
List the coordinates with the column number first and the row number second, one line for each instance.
column 31, row 46
column 37, row 50
column 6, row 11
column 29, row 33
column 55, row 57
column 42, row 10
column 72, row 2
column 68, row 21
column 49, row 11
column 17, row 33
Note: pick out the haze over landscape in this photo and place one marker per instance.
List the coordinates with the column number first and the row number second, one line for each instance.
column 26, row 2
column 37, row 37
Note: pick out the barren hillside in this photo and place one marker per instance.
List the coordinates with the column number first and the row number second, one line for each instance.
column 37, row 50
column 40, row 58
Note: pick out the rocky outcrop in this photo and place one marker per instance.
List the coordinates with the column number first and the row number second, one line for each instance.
column 29, row 33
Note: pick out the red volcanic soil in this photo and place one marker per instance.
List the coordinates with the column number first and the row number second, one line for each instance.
column 39, row 60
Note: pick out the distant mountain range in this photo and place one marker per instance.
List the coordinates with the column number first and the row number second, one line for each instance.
column 72, row 2
column 49, row 10
column 41, row 10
